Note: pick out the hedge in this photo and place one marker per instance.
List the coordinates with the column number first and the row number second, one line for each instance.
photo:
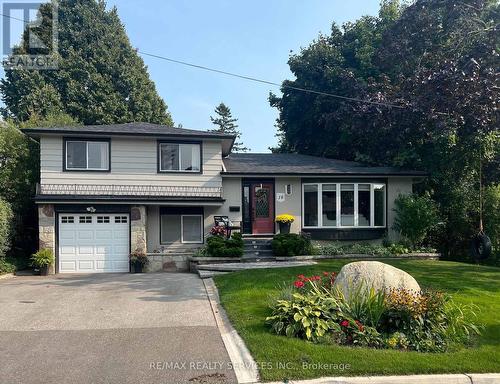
column 6, row 217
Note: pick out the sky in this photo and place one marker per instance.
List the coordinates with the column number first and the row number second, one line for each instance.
column 253, row 38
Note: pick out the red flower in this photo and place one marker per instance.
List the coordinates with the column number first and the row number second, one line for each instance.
column 344, row 323
column 298, row 284
column 301, row 277
column 326, row 273
column 316, row 278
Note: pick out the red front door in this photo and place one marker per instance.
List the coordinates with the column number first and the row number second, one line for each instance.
column 262, row 208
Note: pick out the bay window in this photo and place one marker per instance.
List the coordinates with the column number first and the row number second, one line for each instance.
column 179, row 157
column 344, row 205
column 86, row 155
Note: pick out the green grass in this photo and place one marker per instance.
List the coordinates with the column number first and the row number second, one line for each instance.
column 245, row 296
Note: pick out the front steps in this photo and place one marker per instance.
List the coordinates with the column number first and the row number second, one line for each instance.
column 257, row 248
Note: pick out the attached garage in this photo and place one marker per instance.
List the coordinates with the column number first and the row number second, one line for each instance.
column 93, row 243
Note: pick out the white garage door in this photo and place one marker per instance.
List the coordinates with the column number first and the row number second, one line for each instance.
column 90, row 243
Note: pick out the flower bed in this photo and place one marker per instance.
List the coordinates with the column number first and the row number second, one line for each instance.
column 313, row 309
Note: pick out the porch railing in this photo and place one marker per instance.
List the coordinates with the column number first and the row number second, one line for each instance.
column 128, row 190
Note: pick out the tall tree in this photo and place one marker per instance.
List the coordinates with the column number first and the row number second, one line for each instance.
column 436, row 60
column 227, row 124
column 100, row 78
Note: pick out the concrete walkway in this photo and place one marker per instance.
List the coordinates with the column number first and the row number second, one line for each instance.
column 110, row 328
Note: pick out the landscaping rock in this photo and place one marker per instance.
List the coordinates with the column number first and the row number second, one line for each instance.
column 373, row 274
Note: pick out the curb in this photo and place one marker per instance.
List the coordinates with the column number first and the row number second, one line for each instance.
column 467, row 378
column 242, row 361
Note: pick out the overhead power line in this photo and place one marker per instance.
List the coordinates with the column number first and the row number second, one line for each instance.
column 250, row 78
column 254, row 79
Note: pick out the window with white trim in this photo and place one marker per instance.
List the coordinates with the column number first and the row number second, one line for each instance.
column 177, row 157
column 176, row 228
column 343, row 205
column 82, row 155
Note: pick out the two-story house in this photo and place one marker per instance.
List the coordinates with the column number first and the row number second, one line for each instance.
column 107, row 190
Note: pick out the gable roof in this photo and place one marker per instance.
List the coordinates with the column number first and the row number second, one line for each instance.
column 135, row 129
column 295, row 164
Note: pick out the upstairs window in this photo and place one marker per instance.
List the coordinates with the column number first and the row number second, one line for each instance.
column 82, row 155
column 179, row 157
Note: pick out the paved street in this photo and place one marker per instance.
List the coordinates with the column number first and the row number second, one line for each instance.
column 110, row 328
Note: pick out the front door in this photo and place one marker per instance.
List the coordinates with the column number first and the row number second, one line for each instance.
column 262, row 208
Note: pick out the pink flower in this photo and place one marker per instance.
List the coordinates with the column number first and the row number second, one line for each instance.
column 301, row 277
column 344, row 323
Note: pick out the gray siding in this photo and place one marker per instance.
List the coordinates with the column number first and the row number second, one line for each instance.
column 133, row 161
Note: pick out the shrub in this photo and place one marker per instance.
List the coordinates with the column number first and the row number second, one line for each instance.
column 307, row 316
column 415, row 217
column 6, row 266
column 218, row 246
column 44, row 257
column 6, row 217
column 291, row 244
column 430, row 321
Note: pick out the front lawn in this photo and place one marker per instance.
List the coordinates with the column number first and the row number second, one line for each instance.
column 244, row 295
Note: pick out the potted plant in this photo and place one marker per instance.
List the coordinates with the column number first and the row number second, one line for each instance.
column 284, row 221
column 138, row 260
column 42, row 260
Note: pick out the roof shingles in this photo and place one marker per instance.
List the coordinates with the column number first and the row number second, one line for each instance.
column 295, row 164
column 129, row 129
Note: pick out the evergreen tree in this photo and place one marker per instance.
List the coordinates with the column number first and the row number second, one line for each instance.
column 100, row 79
column 226, row 122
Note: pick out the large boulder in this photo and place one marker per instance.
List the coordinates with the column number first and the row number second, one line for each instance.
column 373, row 274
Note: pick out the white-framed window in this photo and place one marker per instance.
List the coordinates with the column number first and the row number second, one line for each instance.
column 67, row 219
column 179, row 157
column 176, row 228
column 343, row 205
column 103, row 219
column 85, row 219
column 86, row 155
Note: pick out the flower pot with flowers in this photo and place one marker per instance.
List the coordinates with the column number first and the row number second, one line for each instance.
column 138, row 260
column 42, row 260
column 285, row 221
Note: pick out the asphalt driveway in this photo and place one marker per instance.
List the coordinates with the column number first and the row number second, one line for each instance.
column 110, row 328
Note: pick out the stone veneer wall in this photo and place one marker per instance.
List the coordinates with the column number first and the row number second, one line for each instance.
column 167, row 263
column 138, row 220
column 47, row 230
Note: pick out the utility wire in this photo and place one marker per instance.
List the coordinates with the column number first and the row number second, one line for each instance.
column 244, row 77
column 254, row 79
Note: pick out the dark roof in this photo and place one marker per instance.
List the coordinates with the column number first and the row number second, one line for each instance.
column 129, row 129
column 294, row 164
column 134, row 129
